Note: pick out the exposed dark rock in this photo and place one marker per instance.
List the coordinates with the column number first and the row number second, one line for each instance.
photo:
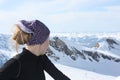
column 106, row 57
column 49, row 52
column 79, row 53
column 60, row 46
column 117, row 60
column 73, row 57
column 111, row 42
column 94, row 55
column 90, row 59
column 89, row 53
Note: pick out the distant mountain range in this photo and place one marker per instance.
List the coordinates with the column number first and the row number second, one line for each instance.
column 98, row 53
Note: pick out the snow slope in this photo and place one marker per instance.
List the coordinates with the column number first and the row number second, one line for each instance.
column 79, row 74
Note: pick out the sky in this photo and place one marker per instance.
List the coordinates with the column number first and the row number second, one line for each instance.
column 63, row 16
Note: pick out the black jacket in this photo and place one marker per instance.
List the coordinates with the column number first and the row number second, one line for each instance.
column 27, row 66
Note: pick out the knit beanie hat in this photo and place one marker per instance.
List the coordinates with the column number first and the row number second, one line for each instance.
column 39, row 31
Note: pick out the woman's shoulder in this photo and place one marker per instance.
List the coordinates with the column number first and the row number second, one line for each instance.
column 10, row 64
column 18, row 57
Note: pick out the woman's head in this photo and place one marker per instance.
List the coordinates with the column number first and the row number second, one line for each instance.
column 30, row 32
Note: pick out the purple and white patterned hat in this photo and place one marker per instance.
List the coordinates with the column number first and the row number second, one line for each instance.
column 39, row 31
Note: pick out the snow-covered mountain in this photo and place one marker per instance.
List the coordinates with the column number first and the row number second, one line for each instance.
column 98, row 53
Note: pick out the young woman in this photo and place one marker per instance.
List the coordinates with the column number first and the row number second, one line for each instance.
column 32, row 61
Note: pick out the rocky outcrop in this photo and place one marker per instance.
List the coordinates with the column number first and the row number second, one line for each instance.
column 60, row 46
column 111, row 43
column 51, row 54
column 97, row 56
column 97, row 45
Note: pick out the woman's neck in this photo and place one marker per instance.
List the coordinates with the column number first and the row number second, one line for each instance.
column 34, row 49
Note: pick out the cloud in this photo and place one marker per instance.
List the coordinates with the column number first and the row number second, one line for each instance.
column 53, row 6
column 57, row 9
column 61, row 13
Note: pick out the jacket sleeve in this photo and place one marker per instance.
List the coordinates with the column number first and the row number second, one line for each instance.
column 50, row 68
column 9, row 70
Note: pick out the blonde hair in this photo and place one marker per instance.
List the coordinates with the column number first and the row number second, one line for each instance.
column 20, row 37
